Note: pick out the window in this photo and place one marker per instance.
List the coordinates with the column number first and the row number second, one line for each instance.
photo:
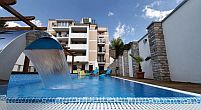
column 79, row 30
column 101, row 58
column 90, row 67
column 145, row 41
column 101, row 68
column 101, row 49
column 74, row 67
column 83, row 66
column 78, row 41
column 80, row 52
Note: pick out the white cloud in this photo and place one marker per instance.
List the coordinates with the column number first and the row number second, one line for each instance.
column 110, row 13
column 1, row 8
column 157, row 15
column 122, row 30
column 13, row 24
column 155, row 3
column 37, row 23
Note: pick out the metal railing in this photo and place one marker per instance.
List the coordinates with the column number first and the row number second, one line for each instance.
column 19, row 68
column 101, row 40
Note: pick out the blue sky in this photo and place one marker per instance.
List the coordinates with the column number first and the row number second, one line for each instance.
column 127, row 19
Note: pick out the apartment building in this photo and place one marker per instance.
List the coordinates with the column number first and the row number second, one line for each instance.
column 86, row 38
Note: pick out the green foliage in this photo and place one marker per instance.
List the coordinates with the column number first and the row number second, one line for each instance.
column 118, row 45
column 128, row 46
column 137, row 59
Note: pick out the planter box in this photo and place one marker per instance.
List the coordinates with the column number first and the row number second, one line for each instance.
column 140, row 75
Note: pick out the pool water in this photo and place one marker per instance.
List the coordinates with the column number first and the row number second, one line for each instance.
column 31, row 86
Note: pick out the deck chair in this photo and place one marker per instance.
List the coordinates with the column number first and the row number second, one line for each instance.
column 108, row 72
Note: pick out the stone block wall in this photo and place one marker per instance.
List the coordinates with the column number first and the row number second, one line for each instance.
column 120, row 66
column 158, row 52
column 135, row 52
column 126, row 66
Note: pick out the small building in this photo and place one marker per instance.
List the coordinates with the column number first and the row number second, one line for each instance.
column 86, row 38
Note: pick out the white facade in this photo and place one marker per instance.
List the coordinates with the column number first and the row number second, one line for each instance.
column 144, row 52
column 182, row 31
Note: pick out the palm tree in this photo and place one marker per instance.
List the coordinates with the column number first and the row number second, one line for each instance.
column 138, row 60
column 118, row 45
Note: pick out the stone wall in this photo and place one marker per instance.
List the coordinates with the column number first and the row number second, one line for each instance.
column 126, row 66
column 158, row 52
column 135, row 52
column 120, row 66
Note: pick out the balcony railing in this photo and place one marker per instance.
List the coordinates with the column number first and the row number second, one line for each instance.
column 67, row 35
column 101, row 51
column 60, row 25
column 101, row 41
column 101, row 60
column 19, row 68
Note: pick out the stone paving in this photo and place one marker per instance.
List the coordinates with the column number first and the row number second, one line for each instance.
column 190, row 87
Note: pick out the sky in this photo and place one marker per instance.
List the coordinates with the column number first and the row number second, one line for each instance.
column 127, row 19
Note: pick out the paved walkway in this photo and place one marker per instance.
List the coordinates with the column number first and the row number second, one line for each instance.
column 190, row 87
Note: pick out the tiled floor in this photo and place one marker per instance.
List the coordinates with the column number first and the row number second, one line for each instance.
column 98, row 106
column 190, row 87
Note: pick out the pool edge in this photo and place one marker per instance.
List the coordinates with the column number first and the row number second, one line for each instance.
column 161, row 87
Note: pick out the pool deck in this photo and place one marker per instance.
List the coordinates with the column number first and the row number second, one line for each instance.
column 190, row 87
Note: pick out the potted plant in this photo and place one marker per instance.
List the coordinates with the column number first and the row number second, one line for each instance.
column 138, row 60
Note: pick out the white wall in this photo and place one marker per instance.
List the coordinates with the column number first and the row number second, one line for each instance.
column 130, row 64
column 182, row 31
column 144, row 52
column 111, row 60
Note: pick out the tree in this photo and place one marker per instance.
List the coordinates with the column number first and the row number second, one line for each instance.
column 138, row 60
column 118, row 45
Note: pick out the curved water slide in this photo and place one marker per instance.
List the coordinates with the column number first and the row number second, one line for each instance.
column 42, row 49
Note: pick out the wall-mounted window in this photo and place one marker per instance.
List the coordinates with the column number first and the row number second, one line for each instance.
column 145, row 41
column 83, row 66
column 74, row 67
column 80, row 52
column 79, row 30
column 78, row 41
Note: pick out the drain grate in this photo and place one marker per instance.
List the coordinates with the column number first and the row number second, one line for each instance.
column 99, row 106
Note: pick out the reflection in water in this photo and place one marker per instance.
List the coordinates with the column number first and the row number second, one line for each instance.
column 51, row 65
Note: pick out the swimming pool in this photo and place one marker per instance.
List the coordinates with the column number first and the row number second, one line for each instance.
column 28, row 88
column 31, row 86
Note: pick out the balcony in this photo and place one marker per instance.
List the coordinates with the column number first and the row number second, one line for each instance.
column 101, row 41
column 101, row 51
column 57, row 27
column 77, row 59
column 101, row 61
column 78, row 46
column 62, row 37
column 78, row 35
